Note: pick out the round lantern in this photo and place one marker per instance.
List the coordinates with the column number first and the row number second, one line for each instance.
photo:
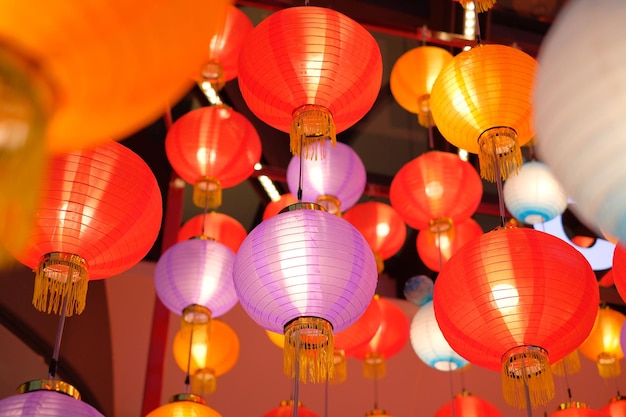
column 50, row 398
column 206, row 353
column 185, row 405
column 274, row 207
column 390, row 338
column 436, row 190
column 577, row 409
column 619, row 269
column 310, row 71
column 481, row 102
column 534, row 195
column 214, row 226
column 435, row 249
column 430, row 345
column 412, row 78
column 419, row 289
column 335, row 181
column 196, row 272
column 212, row 148
column 100, row 216
column 616, row 407
column 285, row 409
column 468, row 405
column 493, row 298
column 603, row 343
column 305, row 273
column 583, row 153
column 381, row 226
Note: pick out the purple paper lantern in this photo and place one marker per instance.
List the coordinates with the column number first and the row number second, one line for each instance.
column 196, row 272
column 336, row 179
column 305, row 273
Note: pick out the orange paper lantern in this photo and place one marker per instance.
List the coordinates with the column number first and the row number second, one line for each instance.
column 494, row 299
column 216, row 226
column 185, row 405
column 481, row 102
column 577, row 409
column 467, row 405
column 285, row 409
column 435, row 249
column 603, row 343
column 310, row 71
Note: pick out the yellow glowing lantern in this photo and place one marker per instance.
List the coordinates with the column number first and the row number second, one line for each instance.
column 603, row 343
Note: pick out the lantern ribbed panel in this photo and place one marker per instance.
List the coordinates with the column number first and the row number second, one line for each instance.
column 432, row 254
column 485, row 87
column 534, row 195
column 547, row 292
column 381, row 226
column 435, row 185
column 214, row 141
column 184, row 408
column 196, row 271
column 45, row 404
column 414, row 73
column 102, row 204
column 585, row 153
column 309, row 55
column 466, row 405
column 361, row 331
column 217, row 226
column 286, row 410
column 340, row 173
column 615, row 408
column 274, row 207
column 604, row 337
column 304, row 263
column 579, row 412
column 429, row 344
column 392, row 333
column 226, row 45
column 619, row 269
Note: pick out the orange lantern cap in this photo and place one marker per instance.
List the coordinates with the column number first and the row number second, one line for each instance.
column 435, row 249
column 216, row 226
column 603, row 343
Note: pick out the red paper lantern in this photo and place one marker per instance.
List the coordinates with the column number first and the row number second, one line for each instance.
column 212, row 148
column 619, row 269
column 381, row 226
column 616, row 407
column 285, row 409
column 467, row 405
column 100, row 215
column 274, row 207
column 577, row 409
column 511, row 297
column 216, row 226
column 310, row 71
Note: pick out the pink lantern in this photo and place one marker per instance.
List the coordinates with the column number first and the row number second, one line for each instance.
column 335, row 181
column 305, row 273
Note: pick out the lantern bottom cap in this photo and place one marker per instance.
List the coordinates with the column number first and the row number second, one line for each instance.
column 311, row 125
column 500, row 156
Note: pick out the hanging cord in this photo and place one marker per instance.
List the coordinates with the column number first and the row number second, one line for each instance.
column 477, row 31
column 299, row 196
column 375, row 388
column 453, row 408
column 424, row 31
column 529, row 408
column 188, row 372
column 566, row 375
column 205, row 212
column 326, row 397
column 499, row 185
column 54, row 361
column 296, row 380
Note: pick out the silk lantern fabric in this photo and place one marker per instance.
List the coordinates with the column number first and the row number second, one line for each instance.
column 196, row 271
column 577, row 409
column 310, row 60
column 603, row 346
column 435, row 249
column 100, row 216
column 482, row 102
column 434, row 190
column 493, row 298
column 285, row 409
column 184, row 405
column 336, row 181
column 584, row 153
column 534, row 195
column 468, row 405
column 412, row 78
column 46, row 403
column 215, row 226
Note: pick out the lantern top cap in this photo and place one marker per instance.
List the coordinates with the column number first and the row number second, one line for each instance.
column 196, row 314
column 49, row 385
column 302, row 206
column 572, row 404
column 288, row 403
column 187, row 397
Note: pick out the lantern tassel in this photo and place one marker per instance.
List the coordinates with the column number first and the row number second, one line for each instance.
column 207, row 193
column 311, row 339
column 568, row 365
column 340, row 365
column 499, row 145
column 608, row 365
column 204, row 381
column 374, row 366
column 479, row 5
column 526, row 372
column 61, row 278
column 311, row 125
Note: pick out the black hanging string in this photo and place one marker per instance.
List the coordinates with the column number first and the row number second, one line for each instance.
column 188, row 372
column 299, row 196
column 499, row 186
column 477, row 27
column 296, row 381
column 54, row 361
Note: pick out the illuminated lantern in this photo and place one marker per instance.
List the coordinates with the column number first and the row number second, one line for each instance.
column 50, row 398
column 478, row 5
column 214, row 351
column 603, row 343
column 481, row 102
column 577, row 409
column 468, row 405
column 430, row 345
column 100, row 216
column 310, row 71
column 419, row 289
column 285, row 409
column 274, row 207
column 412, row 78
column 616, row 407
column 390, row 338
column 534, row 195
column 435, row 249
column 436, row 190
column 212, row 148
column 619, row 269
column 185, row 405
column 335, row 181
column 494, row 296
column 214, row 226
column 381, row 226
column 305, row 273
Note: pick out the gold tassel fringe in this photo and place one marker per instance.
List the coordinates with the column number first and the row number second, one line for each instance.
column 499, row 146
column 204, row 382
column 380, row 262
column 309, row 346
column 608, row 365
column 311, row 125
column 527, row 369
column 374, row 366
column 479, row 5
column 340, row 364
column 568, row 365
column 424, row 115
column 207, row 193
column 61, row 278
